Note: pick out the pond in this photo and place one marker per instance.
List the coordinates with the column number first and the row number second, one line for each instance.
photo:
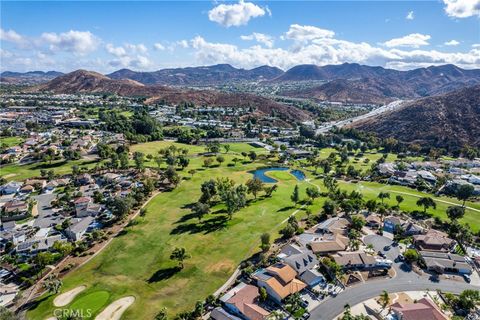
column 260, row 174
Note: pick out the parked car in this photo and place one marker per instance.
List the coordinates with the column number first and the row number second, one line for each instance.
column 306, row 315
column 401, row 257
column 381, row 254
column 304, row 303
column 467, row 278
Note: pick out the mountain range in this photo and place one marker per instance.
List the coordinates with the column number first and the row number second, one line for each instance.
column 82, row 81
column 208, row 75
column 449, row 121
column 348, row 82
column 363, row 84
column 30, row 77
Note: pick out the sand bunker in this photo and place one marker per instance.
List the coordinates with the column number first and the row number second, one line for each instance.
column 115, row 309
column 67, row 297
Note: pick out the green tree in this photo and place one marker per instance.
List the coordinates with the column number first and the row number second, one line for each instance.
column 313, row 193
column 220, row 159
column 426, row 202
column 399, row 199
column 295, row 197
column 265, row 242
column 139, row 159
column 384, row 299
column 383, row 195
column 464, row 192
column 180, row 255
column 162, row 314
column 411, row 255
column 52, row 284
column 263, row 294
column 200, row 210
column 330, row 207
column 468, row 299
column 455, row 212
column 254, row 186
column 226, row 147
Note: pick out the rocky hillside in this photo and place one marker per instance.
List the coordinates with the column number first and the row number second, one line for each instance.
column 198, row 76
column 92, row 82
column 449, row 121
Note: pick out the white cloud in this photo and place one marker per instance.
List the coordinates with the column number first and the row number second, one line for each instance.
column 116, row 51
column 158, row 46
column 182, row 44
column 11, row 36
column 136, row 48
column 452, row 43
column 307, row 33
column 327, row 51
column 5, row 54
column 260, row 38
column 237, row 14
column 413, row 40
column 462, row 8
column 78, row 42
column 129, row 56
column 410, row 15
column 476, row 45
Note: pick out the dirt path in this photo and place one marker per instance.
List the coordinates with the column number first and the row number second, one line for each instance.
column 115, row 309
column 67, row 297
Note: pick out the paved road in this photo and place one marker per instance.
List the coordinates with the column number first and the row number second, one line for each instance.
column 405, row 280
column 46, row 215
column 329, row 125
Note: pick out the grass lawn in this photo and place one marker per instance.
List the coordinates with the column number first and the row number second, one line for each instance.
column 370, row 190
column 137, row 263
column 155, row 146
column 11, row 141
column 20, row 172
column 91, row 303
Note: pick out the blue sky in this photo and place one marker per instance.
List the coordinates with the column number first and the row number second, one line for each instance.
column 106, row 36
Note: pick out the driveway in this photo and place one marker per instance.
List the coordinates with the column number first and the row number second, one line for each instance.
column 405, row 280
column 46, row 216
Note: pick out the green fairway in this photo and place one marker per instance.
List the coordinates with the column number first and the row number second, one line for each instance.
column 155, row 146
column 20, row 172
column 370, row 190
column 11, row 141
column 137, row 263
column 91, row 303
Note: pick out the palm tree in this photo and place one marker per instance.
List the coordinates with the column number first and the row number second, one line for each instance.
column 276, row 315
column 426, row 202
column 383, row 195
column 384, row 299
column 52, row 284
column 180, row 255
column 370, row 247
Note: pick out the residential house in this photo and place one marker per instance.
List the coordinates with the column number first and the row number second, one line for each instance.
column 354, row 260
column 84, row 179
column 242, row 301
column 279, row 281
column 303, row 261
column 11, row 187
column 441, row 262
column 323, row 244
column 78, row 228
column 423, row 309
column 15, row 207
column 220, row 314
column 373, row 221
column 390, row 223
column 434, row 240
column 410, row 228
column 81, row 205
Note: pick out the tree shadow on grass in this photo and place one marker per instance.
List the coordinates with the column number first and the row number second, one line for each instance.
column 34, row 304
column 285, row 208
column 164, row 274
column 206, row 226
column 121, row 233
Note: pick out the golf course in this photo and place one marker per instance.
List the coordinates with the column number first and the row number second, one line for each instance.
column 137, row 264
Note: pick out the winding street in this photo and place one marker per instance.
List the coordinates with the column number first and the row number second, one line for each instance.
column 405, row 280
